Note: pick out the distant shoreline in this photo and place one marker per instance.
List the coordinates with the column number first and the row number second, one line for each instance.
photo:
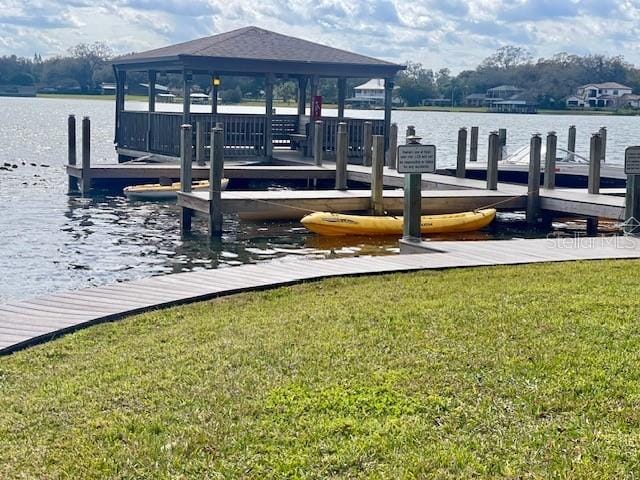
column 143, row 98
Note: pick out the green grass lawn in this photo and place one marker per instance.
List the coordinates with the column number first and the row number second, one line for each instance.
column 506, row 372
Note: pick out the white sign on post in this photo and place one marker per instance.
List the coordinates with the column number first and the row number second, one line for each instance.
column 416, row 158
column 632, row 161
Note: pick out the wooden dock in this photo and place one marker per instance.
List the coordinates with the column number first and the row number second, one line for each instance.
column 294, row 204
column 573, row 175
column 151, row 172
column 37, row 320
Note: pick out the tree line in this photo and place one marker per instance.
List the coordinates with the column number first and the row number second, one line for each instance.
column 547, row 80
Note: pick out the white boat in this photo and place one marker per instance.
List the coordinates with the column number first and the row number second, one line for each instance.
column 522, row 154
column 156, row 191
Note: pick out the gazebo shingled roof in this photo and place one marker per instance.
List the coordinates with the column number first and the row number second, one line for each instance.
column 255, row 50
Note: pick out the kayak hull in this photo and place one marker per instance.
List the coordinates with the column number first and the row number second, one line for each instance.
column 155, row 191
column 333, row 224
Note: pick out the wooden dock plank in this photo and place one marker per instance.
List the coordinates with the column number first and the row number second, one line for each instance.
column 26, row 323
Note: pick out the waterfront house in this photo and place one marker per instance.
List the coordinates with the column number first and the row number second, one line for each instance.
column 503, row 99
column 603, row 95
column 17, row 91
column 369, row 94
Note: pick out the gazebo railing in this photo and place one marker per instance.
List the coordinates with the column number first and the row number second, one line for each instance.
column 244, row 134
column 355, row 134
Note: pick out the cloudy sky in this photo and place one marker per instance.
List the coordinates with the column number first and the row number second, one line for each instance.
column 456, row 34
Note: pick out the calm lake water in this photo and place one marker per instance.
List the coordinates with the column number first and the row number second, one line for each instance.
column 50, row 241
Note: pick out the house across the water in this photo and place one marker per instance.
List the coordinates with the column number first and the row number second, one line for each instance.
column 504, row 99
column 604, row 95
column 17, row 91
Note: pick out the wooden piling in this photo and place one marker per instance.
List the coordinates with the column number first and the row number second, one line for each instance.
column 492, row 161
column 72, row 153
column 473, row 148
column 200, row 153
column 550, row 161
column 603, row 144
column 595, row 155
column 632, row 205
column 367, row 144
column 571, row 142
column 186, row 160
column 341, row 156
column 412, row 209
column 502, row 134
column 377, row 175
column 461, row 169
column 216, row 171
column 533, row 190
column 392, row 154
column 317, row 142
column 85, row 186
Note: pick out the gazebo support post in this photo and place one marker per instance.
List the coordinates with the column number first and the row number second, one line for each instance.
column 302, row 95
column 214, row 96
column 268, row 128
column 315, row 88
column 388, row 91
column 121, row 78
column 186, row 100
column 342, row 93
column 151, row 106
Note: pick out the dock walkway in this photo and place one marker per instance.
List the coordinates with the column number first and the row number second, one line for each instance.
column 36, row 320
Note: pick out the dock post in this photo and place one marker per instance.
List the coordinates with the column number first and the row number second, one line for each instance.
column 200, row 144
column 473, row 148
column 412, row 208
column 216, row 171
column 595, row 156
column 341, row 157
column 367, row 144
column 632, row 205
column 502, row 134
column 186, row 159
column 571, row 142
column 317, row 142
column 550, row 161
column 461, row 169
column 85, row 186
column 492, row 161
column 603, row 144
column 533, row 190
column 377, row 175
column 393, row 147
column 72, row 151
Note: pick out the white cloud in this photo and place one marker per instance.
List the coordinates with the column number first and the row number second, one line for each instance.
column 456, row 34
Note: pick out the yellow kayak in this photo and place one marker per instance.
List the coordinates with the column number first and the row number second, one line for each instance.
column 155, row 191
column 327, row 223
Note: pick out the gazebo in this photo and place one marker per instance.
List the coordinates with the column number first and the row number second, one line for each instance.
column 254, row 52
